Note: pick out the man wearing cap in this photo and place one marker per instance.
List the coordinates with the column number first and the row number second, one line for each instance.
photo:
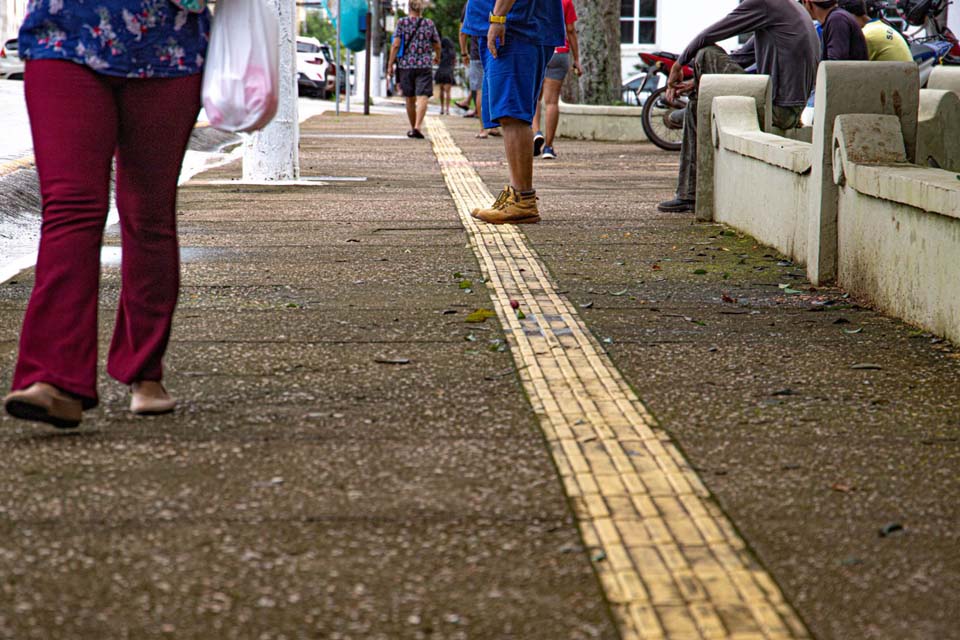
column 520, row 38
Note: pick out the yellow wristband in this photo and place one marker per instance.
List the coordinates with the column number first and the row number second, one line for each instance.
column 498, row 19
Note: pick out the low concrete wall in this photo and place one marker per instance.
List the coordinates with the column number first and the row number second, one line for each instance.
column 774, row 171
column 899, row 227
column 713, row 86
column 859, row 204
column 609, row 124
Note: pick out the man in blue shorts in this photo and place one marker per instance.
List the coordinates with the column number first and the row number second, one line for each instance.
column 520, row 39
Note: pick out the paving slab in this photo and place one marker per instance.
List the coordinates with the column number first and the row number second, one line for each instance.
column 809, row 457
column 351, row 459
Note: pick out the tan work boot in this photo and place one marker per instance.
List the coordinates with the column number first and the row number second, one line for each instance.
column 42, row 402
column 499, row 202
column 511, row 207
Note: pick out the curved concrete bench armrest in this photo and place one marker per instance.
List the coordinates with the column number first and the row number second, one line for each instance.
column 935, row 101
column 736, row 128
column 945, row 78
column 869, row 156
column 938, row 130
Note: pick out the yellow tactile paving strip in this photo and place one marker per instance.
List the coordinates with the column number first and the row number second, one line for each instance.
column 670, row 562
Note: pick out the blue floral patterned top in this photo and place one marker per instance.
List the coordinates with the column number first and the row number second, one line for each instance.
column 128, row 38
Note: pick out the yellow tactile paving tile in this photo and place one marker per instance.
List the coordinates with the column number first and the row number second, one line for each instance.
column 670, row 562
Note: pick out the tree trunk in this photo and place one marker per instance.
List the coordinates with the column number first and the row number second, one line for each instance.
column 598, row 30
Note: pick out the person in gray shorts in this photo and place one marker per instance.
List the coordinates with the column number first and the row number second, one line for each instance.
column 563, row 59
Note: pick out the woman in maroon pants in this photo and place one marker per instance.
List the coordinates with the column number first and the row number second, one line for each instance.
column 105, row 80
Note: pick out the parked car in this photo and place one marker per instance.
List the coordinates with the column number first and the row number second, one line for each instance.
column 316, row 69
column 11, row 66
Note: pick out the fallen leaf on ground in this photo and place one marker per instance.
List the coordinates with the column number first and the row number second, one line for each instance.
column 480, row 315
column 842, row 487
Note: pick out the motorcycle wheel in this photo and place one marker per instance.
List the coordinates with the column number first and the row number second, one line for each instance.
column 654, row 110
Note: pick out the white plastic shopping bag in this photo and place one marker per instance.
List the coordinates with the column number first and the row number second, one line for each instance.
column 241, row 78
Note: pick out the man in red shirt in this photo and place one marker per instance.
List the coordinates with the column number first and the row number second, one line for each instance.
column 559, row 65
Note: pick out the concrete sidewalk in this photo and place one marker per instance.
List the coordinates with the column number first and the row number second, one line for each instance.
column 353, row 459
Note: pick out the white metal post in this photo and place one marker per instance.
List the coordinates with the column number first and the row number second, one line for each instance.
column 339, row 15
column 349, row 87
column 273, row 153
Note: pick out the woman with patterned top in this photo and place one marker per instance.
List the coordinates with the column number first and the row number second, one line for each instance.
column 415, row 49
column 105, row 80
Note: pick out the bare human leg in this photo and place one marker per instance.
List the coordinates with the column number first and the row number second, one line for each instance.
column 411, row 103
column 518, row 143
column 420, row 112
column 551, row 101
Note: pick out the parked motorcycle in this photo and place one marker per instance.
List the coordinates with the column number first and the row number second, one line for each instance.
column 933, row 43
column 929, row 16
column 659, row 116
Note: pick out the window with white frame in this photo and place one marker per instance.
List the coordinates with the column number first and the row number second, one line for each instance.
column 638, row 22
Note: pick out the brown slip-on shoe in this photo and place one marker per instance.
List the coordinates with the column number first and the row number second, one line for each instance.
column 42, row 402
column 150, row 399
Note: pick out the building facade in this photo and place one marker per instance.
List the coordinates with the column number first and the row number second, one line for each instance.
column 11, row 16
column 664, row 25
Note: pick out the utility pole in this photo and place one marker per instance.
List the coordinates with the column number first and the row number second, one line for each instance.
column 273, row 153
column 366, row 61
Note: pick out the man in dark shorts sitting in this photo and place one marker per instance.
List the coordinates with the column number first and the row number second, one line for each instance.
column 520, row 39
column 420, row 43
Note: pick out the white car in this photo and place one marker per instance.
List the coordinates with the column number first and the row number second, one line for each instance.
column 11, row 66
column 316, row 75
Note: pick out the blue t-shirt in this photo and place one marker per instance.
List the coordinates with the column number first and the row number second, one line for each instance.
column 534, row 21
column 136, row 39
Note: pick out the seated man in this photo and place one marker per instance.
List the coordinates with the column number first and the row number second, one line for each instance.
column 884, row 43
column 784, row 46
column 842, row 34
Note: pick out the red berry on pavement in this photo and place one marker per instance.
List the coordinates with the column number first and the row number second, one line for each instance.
column 514, row 304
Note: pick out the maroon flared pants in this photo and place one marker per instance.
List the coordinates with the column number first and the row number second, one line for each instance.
column 80, row 120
